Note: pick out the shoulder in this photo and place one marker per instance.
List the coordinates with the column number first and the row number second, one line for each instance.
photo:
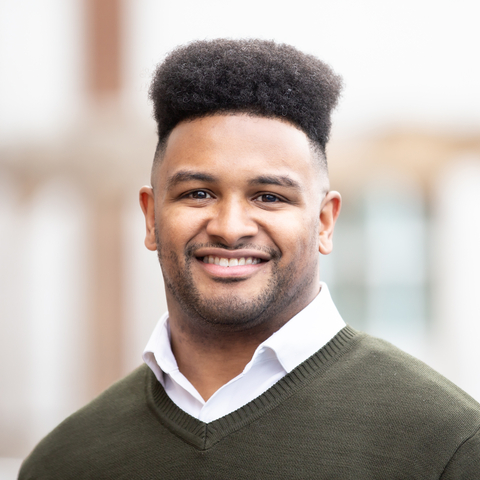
column 406, row 388
column 396, row 406
column 118, row 401
column 465, row 463
column 388, row 364
column 109, row 416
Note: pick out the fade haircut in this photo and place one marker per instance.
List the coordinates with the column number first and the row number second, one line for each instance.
column 255, row 77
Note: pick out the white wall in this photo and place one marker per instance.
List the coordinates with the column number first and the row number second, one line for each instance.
column 456, row 274
column 410, row 61
column 43, row 308
column 41, row 62
column 56, row 256
column 396, row 230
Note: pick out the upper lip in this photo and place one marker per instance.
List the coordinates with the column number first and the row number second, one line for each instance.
column 221, row 253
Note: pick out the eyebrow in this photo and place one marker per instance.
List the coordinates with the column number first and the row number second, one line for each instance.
column 280, row 180
column 187, row 176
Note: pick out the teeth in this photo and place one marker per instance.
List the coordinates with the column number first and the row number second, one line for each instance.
column 231, row 262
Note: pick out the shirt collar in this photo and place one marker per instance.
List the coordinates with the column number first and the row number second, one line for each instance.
column 158, row 352
column 306, row 332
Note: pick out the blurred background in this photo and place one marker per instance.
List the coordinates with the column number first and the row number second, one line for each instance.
column 80, row 294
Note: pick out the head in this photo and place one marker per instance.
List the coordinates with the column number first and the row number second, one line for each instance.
column 240, row 179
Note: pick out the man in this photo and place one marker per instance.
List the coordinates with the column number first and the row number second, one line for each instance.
column 253, row 373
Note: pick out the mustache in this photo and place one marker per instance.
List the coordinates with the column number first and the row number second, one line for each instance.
column 272, row 252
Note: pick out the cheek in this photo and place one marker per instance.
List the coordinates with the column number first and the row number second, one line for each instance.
column 174, row 225
column 176, row 229
column 296, row 235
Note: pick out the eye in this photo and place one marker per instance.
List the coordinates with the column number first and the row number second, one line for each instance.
column 268, row 198
column 199, row 195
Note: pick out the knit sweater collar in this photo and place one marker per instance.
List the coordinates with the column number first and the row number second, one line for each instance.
column 204, row 435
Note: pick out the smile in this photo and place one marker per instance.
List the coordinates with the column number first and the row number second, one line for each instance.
column 240, row 263
column 231, row 262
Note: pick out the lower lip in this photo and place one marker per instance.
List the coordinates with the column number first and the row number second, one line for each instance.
column 238, row 271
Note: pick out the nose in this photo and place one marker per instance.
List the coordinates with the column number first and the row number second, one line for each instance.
column 231, row 222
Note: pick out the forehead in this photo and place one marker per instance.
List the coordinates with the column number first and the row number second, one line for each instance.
column 238, row 145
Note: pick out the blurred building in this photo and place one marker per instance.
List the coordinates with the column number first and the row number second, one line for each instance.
column 79, row 294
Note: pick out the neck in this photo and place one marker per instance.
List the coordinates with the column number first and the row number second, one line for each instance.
column 210, row 356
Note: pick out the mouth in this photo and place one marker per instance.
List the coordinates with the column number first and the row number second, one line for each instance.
column 231, row 263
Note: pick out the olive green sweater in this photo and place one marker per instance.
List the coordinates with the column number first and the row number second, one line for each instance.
column 357, row 409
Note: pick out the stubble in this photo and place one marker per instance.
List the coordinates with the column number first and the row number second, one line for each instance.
column 228, row 312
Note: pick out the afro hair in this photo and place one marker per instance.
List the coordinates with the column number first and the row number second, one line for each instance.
column 250, row 76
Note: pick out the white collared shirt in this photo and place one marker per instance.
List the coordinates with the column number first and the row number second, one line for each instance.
column 302, row 336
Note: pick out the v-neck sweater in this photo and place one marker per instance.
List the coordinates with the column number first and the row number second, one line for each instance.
column 358, row 408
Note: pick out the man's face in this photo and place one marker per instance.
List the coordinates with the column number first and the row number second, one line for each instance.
column 236, row 217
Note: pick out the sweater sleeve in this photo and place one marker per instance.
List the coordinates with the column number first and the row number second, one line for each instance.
column 465, row 463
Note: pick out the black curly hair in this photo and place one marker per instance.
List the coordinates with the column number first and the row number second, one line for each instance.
column 256, row 77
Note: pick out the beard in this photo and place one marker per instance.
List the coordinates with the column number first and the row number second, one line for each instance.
column 229, row 312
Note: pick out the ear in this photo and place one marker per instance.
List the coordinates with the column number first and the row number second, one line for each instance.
column 147, row 202
column 330, row 209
